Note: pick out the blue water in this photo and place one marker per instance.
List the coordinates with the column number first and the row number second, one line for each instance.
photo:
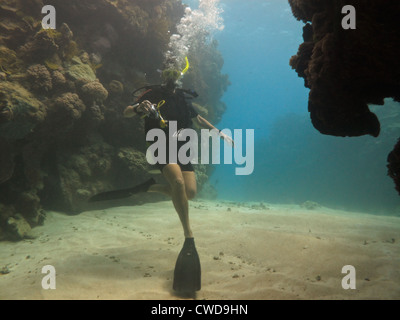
column 293, row 161
column 257, row 43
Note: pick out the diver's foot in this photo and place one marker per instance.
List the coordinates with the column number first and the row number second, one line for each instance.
column 189, row 234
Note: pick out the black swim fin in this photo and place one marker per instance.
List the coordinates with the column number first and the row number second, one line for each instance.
column 123, row 193
column 187, row 274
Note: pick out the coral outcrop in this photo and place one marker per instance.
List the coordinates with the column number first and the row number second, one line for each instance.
column 39, row 77
column 394, row 165
column 94, row 92
column 77, row 70
column 69, row 105
column 27, row 111
column 346, row 69
column 63, row 137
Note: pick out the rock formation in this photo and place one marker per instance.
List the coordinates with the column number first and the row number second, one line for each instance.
column 349, row 69
column 63, row 137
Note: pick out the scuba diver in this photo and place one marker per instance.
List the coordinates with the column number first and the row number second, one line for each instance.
column 159, row 105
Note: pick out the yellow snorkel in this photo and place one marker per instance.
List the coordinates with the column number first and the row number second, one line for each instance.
column 186, row 68
column 173, row 74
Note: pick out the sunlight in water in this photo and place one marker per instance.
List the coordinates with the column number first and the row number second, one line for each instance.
column 194, row 29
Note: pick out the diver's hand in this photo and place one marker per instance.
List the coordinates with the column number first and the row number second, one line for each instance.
column 227, row 138
column 144, row 107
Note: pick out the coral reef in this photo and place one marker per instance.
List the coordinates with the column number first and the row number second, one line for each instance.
column 133, row 160
column 394, row 165
column 70, row 105
column 63, row 137
column 39, row 77
column 18, row 227
column 94, row 92
column 9, row 63
column 77, row 70
column 43, row 45
column 27, row 111
column 58, row 79
column 346, row 70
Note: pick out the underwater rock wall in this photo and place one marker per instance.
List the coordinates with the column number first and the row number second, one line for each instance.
column 347, row 70
column 63, row 137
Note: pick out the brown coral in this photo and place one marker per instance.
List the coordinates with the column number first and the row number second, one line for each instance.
column 17, row 227
column 9, row 63
column 39, row 77
column 20, row 106
column 96, row 114
column 394, row 165
column 347, row 70
column 58, row 79
column 71, row 104
column 42, row 46
column 94, row 92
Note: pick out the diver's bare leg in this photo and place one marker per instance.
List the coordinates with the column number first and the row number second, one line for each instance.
column 190, row 186
column 173, row 174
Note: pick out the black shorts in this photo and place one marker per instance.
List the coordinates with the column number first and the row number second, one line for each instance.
column 184, row 167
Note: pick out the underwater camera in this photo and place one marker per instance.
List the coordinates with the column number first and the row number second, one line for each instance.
column 154, row 113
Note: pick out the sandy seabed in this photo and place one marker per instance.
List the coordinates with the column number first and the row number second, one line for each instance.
column 247, row 252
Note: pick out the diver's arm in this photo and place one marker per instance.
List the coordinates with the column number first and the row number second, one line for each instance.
column 129, row 112
column 142, row 108
column 203, row 123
